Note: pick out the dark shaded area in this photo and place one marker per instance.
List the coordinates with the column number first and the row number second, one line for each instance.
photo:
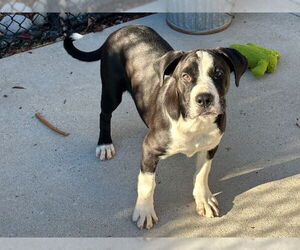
column 23, row 31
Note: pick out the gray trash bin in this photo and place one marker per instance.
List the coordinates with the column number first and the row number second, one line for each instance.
column 199, row 23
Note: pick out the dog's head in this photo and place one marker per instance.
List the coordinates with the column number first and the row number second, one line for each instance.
column 199, row 80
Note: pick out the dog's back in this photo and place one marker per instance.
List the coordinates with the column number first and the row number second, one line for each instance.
column 129, row 41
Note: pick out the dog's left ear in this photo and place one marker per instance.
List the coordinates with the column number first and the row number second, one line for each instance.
column 236, row 61
column 166, row 64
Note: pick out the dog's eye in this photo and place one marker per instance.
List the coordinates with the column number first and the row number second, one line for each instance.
column 186, row 77
column 218, row 73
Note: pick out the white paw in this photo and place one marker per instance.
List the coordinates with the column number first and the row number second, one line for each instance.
column 144, row 214
column 207, row 205
column 105, row 152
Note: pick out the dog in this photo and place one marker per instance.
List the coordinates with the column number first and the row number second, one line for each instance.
column 180, row 96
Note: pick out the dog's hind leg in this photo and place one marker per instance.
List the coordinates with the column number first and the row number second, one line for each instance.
column 111, row 98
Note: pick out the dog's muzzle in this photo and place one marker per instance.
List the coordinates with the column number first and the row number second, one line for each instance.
column 207, row 106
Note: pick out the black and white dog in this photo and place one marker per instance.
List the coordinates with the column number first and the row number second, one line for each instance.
column 179, row 95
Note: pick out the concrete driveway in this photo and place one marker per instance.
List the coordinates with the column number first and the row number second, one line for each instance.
column 52, row 185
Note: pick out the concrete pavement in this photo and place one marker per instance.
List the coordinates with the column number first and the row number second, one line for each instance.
column 52, row 185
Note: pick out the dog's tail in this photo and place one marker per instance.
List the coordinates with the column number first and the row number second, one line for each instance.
column 78, row 54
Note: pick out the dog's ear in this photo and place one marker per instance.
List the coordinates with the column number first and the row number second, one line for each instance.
column 171, row 102
column 166, row 64
column 236, row 61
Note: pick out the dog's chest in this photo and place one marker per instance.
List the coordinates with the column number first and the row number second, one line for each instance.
column 190, row 137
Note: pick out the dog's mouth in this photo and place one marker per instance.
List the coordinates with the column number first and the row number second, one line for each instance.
column 210, row 113
column 213, row 111
column 207, row 113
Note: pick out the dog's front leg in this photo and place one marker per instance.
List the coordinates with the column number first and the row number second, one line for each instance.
column 144, row 213
column 206, row 203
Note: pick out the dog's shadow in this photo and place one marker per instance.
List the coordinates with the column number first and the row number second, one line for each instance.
column 229, row 185
column 254, row 175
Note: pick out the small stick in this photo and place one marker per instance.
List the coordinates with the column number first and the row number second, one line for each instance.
column 18, row 87
column 49, row 125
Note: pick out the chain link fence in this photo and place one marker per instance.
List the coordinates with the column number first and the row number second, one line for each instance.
column 23, row 31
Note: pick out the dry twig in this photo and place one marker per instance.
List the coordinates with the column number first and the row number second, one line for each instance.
column 49, row 125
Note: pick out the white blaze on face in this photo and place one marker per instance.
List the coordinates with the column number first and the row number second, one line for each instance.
column 204, row 83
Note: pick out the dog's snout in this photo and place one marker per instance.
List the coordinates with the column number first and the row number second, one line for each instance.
column 205, row 100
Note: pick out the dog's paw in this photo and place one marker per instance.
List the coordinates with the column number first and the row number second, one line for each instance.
column 105, row 152
column 207, row 205
column 144, row 215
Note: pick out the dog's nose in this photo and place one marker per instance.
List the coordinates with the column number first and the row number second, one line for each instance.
column 205, row 100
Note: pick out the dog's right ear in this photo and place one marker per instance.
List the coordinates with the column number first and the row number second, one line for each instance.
column 166, row 64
